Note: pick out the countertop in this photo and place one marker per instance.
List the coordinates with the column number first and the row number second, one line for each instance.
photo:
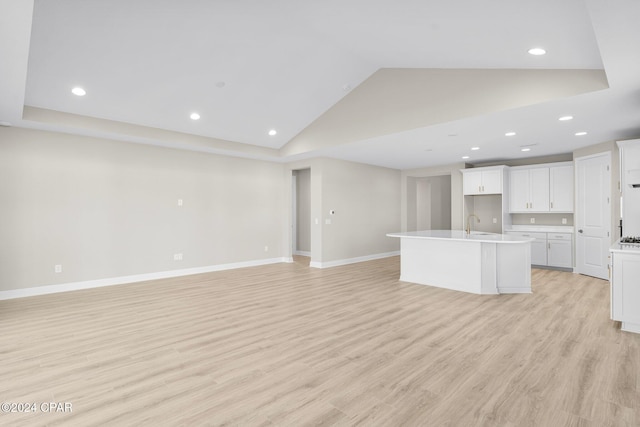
column 476, row 236
column 628, row 248
column 542, row 228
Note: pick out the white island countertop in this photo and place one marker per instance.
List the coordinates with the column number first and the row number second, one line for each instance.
column 477, row 236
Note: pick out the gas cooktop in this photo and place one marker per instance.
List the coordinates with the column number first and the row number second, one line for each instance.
column 630, row 239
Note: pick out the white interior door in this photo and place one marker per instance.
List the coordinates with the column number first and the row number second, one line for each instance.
column 593, row 214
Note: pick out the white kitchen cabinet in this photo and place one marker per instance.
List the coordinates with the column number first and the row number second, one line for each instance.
column 625, row 287
column 529, row 190
column 541, row 188
column 559, row 250
column 538, row 246
column 486, row 180
column 549, row 249
column 561, row 188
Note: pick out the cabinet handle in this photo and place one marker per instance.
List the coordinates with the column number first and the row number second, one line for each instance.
column 551, row 205
column 549, row 245
column 479, row 188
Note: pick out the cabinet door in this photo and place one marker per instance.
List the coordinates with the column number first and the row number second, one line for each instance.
column 626, row 292
column 539, row 188
column 561, row 188
column 559, row 254
column 539, row 252
column 518, row 190
column 492, row 182
column 472, row 182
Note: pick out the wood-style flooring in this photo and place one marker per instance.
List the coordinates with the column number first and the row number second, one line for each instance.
column 289, row 345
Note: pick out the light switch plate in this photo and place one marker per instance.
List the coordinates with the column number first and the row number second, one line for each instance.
column 533, row 220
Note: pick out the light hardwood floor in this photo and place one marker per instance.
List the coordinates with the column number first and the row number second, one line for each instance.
column 286, row 344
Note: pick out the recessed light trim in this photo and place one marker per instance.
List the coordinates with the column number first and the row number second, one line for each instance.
column 78, row 91
column 465, row 157
column 194, row 116
column 581, row 133
column 525, row 149
column 475, row 148
column 273, row 132
column 565, row 118
column 537, row 51
column 510, row 134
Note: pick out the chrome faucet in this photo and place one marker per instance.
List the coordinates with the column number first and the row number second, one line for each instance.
column 469, row 223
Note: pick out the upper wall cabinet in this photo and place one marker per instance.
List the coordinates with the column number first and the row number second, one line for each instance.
column 541, row 188
column 561, row 188
column 529, row 190
column 487, row 180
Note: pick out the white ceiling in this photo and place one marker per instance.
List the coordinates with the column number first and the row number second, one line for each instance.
column 384, row 82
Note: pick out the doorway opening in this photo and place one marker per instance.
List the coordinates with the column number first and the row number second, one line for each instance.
column 429, row 203
column 301, row 216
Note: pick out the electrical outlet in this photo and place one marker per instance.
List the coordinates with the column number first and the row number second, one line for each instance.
column 57, row 268
column 177, row 257
column 495, row 220
column 266, row 248
column 179, row 202
column 564, row 220
column 533, row 220
column 327, row 221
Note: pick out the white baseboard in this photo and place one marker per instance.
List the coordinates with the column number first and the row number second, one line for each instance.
column 66, row 287
column 302, row 253
column 337, row 263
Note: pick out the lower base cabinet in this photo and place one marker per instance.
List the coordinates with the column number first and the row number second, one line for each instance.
column 549, row 249
column 625, row 290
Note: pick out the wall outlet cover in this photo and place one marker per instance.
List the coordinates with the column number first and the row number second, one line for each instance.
column 533, row 220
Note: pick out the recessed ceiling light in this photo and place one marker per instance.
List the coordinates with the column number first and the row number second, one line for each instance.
column 537, row 51
column 272, row 132
column 509, row 134
column 475, row 148
column 78, row 91
column 580, row 133
column 565, row 118
column 525, row 149
column 465, row 157
column 195, row 116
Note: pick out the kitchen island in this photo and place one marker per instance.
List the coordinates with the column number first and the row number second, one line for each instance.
column 479, row 263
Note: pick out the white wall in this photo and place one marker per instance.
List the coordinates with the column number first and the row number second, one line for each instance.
column 366, row 201
column 106, row 209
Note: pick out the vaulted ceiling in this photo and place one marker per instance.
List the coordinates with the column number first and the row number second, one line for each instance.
column 402, row 83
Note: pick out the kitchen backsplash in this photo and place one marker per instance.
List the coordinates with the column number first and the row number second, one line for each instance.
column 541, row 219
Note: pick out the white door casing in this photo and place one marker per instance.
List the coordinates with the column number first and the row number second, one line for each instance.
column 593, row 214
